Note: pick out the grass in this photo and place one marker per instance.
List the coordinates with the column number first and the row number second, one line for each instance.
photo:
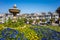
column 56, row 28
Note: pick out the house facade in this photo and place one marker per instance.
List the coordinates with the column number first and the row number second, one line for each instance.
column 33, row 16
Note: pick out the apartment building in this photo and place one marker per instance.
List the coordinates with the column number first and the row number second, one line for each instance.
column 33, row 16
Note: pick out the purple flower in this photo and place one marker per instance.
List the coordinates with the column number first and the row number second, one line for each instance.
column 12, row 36
column 58, row 32
column 15, row 32
column 3, row 33
column 8, row 29
column 44, row 38
column 18, row 38
column 2, row 38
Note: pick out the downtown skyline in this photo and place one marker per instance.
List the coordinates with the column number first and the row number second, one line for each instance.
column 30, row 6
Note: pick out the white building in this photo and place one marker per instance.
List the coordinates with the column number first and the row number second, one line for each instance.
column 33, row 16
column 2, row 18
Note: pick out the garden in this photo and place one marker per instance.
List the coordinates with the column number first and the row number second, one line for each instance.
column 22, row 31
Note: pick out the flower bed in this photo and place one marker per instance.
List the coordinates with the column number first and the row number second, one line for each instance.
column 29, row 32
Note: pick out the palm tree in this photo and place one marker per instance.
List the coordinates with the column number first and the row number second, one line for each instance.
column 58, row 11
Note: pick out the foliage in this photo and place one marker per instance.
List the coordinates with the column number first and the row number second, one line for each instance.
column 11, row 34
column 56, row 28
column 9, row 23
column 21, row 22
column 46, row 33
column 28, row 33
column 58, row 10
column 30, row 21
column 21, row 31
column 1, row 26
column 52, row 20
column 37, row 20
column 43, row 20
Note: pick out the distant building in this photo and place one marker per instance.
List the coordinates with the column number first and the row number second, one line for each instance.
column 2, row 18
column 33, row 16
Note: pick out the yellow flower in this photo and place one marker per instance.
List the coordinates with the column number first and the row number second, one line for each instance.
column 1, row 28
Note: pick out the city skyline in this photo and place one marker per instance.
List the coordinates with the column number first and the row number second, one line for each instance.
column 30, row 6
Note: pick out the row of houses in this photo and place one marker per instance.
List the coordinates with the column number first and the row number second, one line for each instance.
column 34, row 16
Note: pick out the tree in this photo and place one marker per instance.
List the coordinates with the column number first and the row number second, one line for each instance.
column 25, row 20
column 52, row 20
column 37, row 20
column 30, row 21
column 43, row 20
column 58, row 11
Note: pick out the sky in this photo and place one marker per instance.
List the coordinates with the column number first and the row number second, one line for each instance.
column 30, row 6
